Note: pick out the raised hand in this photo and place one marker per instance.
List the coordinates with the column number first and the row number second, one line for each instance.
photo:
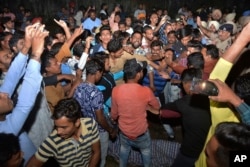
column 38, row 41
column 61, row 23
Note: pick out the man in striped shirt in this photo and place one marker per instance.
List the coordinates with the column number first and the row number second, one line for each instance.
column 75, row 140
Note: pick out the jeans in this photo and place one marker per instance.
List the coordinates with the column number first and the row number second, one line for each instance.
column 104, row 140
column 143, row 143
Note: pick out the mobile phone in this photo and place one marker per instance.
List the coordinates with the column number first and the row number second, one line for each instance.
column 204, row 87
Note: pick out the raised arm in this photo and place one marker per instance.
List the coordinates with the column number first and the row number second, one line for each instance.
column 65, row 28
column 13, row 75
column 31, row 83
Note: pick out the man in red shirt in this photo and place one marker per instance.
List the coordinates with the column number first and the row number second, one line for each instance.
column 129, row 104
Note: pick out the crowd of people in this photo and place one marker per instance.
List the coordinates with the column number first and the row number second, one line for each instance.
column 65, row 94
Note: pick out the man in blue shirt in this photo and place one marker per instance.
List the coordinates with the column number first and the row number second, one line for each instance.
column 13, row 122
column 91, row 23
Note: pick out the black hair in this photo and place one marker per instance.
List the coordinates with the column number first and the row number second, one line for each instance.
column 4, row 34
column 188, row 74
column 105, row 27
column 146, row 28
column 183, row 32
column 242, row 87
column 196, row 33
column 213, row 51
column 114, row 45
column 173, row 51
column 232, row 136
column 5, row 20
column 69, row 108
column 58, row 30
column 78, row 49
column 102, row 16
column 197, row 45
column 101, row 56
column 9, row 145
column 45, row 61
column 14, row 39
column 86, row 33
column 196, row 60
column 172, row 32
column 94, row 65
column 156, row 43
column 136, row 32
column 56, row 48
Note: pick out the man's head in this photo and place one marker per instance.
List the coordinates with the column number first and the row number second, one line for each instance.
column 4, row 39
column 242, row 87
column 8, row 23
column 103, row 58
column 10, row 151
column 94, row 68
column 115, row 48
column 193, row 46
column 104, row 19
column 105, row 34
column 66, row 117
column 184, row 35
column 212, row 52
column 228, row 136
column 6, row 58
column 16, row 42
column 122, row 26
column 133, row 70
column 171, row 37
column 195, row 60
column 136, row 39
column 60, row 34
column 148, row 33
column 153, row 19
column 225, row 31
column 156, row 47
column 92, row 14
column 187, row 78
column 49, row 64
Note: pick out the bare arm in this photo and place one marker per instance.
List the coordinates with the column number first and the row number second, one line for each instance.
column 226, row 94
column 34, row 162
column 96, row 154
column 234, row 51
column 103, row 122
column 62, row 24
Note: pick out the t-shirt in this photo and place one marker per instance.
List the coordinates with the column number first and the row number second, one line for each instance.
column 70, row 152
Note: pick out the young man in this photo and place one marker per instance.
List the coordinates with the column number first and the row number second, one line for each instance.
column 196, row 120
column 228, row 136
column 13, row 122
column 129, row 109
column 75, row 140
column 90, row 99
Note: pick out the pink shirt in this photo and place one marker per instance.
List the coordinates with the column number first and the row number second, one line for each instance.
column 129, row 104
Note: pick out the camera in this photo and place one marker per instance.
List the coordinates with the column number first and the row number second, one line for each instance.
column 204, row 87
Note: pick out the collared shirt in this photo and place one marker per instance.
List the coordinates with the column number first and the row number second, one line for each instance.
column 224, row 45
column 70, row 152
column 90, row 99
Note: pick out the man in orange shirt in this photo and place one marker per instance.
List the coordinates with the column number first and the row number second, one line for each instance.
column 129, row 104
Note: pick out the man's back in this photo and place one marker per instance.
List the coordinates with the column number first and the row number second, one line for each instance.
column 129, row 103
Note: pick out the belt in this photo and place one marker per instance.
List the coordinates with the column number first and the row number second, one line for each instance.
column 133, row 138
